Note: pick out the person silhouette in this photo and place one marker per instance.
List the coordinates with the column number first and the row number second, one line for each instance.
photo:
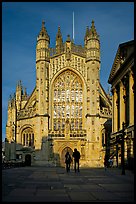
column 76, row 155
column 68, row 161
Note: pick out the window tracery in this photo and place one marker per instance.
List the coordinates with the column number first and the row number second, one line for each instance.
column 67, row 101
column 28, row 137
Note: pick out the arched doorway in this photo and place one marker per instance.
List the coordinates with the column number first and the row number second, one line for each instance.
column 63, row 155
column 28, row 160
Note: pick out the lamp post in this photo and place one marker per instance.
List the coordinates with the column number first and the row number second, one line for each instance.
column 122, row 149
column 14, row 132
column 14, row 139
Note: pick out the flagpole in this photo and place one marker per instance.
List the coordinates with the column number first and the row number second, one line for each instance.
column 73, row 26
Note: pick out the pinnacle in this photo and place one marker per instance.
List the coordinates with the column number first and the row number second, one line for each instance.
column 43, row 31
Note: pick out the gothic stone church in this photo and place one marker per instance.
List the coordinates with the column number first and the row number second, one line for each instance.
column 67, row 108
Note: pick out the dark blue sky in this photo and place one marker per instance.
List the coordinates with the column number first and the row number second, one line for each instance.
column 21, row 23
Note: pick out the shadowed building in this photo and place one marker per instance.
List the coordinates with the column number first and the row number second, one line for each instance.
column 68, row 106
column 122, row 80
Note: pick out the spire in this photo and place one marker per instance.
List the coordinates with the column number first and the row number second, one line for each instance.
column 43, row 23
column 43, row 32
column 73, row 28
column 19, row 85
column 19, row 89
column 93, row 31
column 87, row 33
column 25, row 93
column 59, row 41
column 59, row 35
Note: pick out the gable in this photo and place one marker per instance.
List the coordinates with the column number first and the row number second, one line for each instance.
column 123, row 53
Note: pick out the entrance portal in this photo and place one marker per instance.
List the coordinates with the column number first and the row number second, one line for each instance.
column 28, row 160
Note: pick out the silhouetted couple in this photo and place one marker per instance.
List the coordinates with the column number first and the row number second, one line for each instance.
column 68, row 160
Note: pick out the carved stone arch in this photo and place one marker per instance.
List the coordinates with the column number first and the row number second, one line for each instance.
column 67, row 95
column 65, row 69
column 27, row 135
column 82, row 87
column 63, row 152
column 24, row 127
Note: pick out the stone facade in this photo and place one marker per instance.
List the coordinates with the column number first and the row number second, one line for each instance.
column 122, row 80
column 68, row 106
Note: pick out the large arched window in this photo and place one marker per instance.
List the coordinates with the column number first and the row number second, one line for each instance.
column 67, row 101
column 28, row 137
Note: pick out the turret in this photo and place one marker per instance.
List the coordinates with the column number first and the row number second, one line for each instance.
column 92, row 44
column 19, row 95
column 11, row 119
column 42, row 70
column 42, row 47
column 42, row 84
column 59, row 42
column 92, row 47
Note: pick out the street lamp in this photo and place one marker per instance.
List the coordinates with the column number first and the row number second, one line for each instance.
column 14, row 139
column 14, row 132
column 122, row 149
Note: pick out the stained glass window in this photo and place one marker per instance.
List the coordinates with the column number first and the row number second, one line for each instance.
column 68, row 101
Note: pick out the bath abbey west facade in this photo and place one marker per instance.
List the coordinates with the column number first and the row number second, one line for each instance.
column 67, row 108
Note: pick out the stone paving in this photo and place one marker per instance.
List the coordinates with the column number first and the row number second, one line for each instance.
column 53, row 184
